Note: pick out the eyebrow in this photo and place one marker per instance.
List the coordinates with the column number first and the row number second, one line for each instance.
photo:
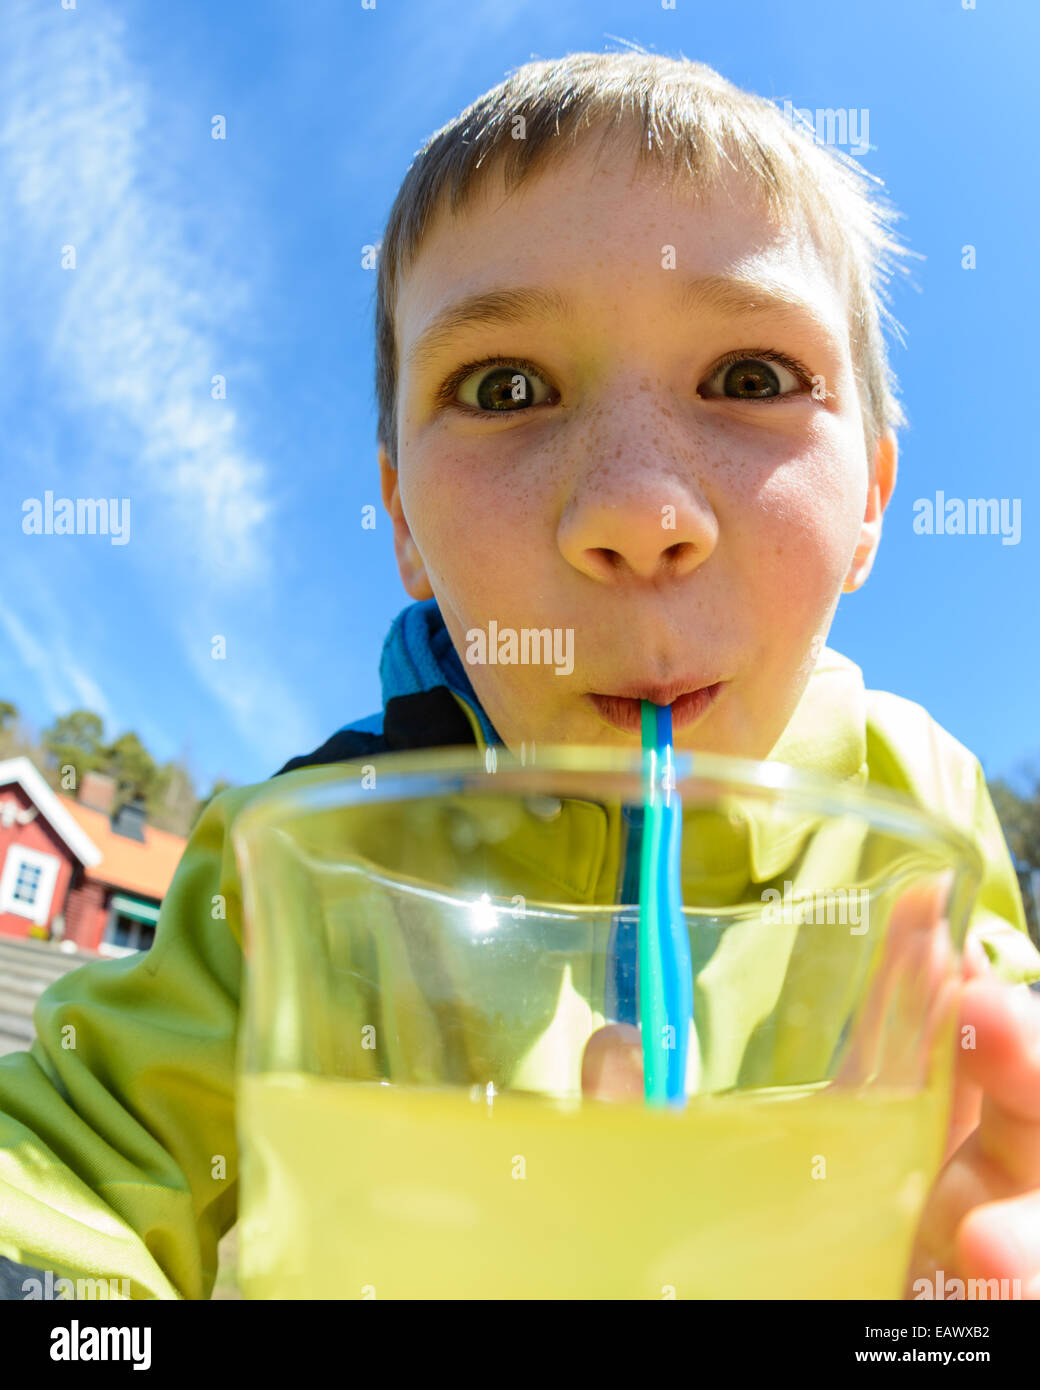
column 734, row 296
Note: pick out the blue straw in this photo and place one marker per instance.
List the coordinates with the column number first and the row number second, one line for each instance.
column 665, row 967
column 675, row 951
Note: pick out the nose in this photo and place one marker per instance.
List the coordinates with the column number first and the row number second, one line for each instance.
column 641, row 519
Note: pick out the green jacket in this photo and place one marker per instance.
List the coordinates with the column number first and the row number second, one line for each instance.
column 118, row 1154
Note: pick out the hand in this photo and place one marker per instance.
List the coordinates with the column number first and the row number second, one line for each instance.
column 982, row 1217
column 612, row 1064
column 981, row 1220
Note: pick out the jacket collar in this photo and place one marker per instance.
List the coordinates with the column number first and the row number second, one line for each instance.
column 419, row 656
column 826, row 734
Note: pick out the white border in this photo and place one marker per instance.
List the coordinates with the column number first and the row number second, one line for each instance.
column 64, row 824
column 17, row 855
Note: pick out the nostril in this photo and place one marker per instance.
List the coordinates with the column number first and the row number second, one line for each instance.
column 611, row 559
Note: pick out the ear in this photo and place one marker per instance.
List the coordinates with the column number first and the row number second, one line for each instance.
column 409, row 561
column 882, row 481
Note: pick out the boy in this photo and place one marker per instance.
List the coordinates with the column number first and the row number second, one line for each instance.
column 644, row 401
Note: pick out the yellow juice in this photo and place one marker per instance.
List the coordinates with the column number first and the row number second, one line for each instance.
column 354, row 1190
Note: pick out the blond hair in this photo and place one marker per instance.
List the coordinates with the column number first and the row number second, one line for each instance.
column 692, row 125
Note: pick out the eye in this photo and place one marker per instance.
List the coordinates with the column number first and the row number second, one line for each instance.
column 495, row 386
column 755, row 378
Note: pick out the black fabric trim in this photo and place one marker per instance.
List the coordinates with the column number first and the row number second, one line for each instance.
column 430, row 719
column 342, row 747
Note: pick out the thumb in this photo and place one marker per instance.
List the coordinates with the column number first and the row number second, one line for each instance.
column 612, row 1064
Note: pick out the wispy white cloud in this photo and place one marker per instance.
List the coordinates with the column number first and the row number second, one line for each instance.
column 89, row 694
column 130, row 329
column 65, row 684
column 129, row 341
column 264, row 706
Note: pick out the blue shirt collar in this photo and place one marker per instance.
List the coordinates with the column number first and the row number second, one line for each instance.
column 418, row 655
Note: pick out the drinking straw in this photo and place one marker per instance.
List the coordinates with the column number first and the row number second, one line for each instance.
column 665, row 968
column 678, row 966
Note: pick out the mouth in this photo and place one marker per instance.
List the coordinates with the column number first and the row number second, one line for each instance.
column 688, row 705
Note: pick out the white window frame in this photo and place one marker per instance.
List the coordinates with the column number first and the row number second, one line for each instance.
column 109, row 948
column 49, row 864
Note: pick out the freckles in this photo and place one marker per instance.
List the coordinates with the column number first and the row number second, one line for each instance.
column 515, row 493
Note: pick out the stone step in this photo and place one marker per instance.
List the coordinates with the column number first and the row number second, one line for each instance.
column 16, row 955
column 20, row 996
column 18, row 1027
column 14, row 969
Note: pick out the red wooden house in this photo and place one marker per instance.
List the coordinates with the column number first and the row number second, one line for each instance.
column 71, row 870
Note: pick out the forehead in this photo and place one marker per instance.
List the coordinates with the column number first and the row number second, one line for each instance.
column 610, row 233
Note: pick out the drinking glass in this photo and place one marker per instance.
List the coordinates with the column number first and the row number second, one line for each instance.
column 432, row 939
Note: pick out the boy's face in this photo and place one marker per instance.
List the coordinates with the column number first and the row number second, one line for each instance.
column 687, row 520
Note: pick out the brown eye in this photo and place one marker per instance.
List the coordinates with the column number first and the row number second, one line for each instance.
column 752, row 379
column 503, row 389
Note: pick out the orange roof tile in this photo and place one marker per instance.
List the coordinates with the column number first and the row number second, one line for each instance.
column 146, row 868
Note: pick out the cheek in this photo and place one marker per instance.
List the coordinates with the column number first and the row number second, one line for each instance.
column 809, row 517
column 469, row 519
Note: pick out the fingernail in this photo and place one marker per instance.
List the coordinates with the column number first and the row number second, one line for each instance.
column 1019, row 1225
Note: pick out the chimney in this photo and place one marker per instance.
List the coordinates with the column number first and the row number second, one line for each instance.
column 97, row 790
column 129, row 820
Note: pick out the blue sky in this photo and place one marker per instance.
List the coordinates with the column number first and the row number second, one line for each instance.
column 241, row 257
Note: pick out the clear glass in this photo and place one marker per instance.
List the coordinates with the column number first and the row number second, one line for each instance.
column 432, row 938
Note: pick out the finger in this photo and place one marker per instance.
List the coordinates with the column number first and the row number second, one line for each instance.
column 966, row 1106
column 612, row 1063
column 1001, row 1240
column 998, row 1057
column 999, row 1053
column 968, row 1181
column 976, row 961
column 912, row 992
column 1000, row 1043
column 966, row 1109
